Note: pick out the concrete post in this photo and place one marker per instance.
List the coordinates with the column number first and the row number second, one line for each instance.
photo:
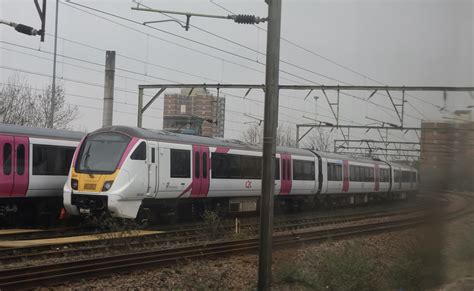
column 269, row 143
column 109, row 88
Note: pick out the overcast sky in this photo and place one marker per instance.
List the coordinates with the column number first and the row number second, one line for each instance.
column 406, row 42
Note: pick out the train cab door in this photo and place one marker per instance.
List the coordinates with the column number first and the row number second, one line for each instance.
column 201, row 170
column 6, row 165
column 152, row 167
column 21, row 168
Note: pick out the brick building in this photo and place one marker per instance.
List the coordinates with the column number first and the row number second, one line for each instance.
column 198, row 110
column 447, row 155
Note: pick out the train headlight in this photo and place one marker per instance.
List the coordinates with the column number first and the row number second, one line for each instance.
column 107, row 185
column 74, row 184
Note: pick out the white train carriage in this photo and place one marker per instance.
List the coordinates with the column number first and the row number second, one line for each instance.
column 121, row 170
column 354, row 179
column 34, row 164
column 405, row 181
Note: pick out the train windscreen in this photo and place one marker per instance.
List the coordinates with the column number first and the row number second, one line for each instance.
column 101, row 153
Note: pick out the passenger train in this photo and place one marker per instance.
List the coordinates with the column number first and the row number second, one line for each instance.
column 128, row 172
column 34, row 165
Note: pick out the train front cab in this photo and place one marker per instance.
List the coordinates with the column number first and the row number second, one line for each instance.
column 110, row 173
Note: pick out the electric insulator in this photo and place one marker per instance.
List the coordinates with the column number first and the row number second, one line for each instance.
column 245, row 19
column 26, row 29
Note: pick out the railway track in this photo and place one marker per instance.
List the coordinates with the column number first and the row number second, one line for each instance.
column 29, row 276
column 184, row 236
column 61, row 272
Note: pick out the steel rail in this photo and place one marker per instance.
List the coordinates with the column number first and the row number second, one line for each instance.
column 28, row 276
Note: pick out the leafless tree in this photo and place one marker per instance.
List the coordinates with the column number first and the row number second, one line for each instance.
column 286, row 137
column 64, row 114
column 19, row 105
column 254, row 134
column 319, row 140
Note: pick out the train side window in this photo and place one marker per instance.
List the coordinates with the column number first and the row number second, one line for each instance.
column 180, row 164
column 139, row 153
column 219, row 168
column 330, row 172
column 251, row 167
column 7, row 159
column 234, row 167
column 303, row 170
column 277, row 169
column 20, row 159
column 52, row 160
column 204, row 165
column 352, row 173
column 196, row 165
column 334, row 172
column 153, row 153
column 283, row 169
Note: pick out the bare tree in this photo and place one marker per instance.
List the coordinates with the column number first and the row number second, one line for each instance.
column 254, row 135
column 319, row 140
column 18, row 105
column 286, row 137
column 64, row 114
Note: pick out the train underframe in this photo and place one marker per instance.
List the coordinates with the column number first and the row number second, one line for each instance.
column 42, row 211
column 173, row 210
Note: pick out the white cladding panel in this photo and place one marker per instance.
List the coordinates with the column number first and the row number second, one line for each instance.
column 46, row 185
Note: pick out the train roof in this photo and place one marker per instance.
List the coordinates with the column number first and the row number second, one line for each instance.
column 40, row 132
column 166, row 136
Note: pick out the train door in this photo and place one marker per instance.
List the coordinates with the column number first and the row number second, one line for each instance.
column 6, row 165
column 20, row 162
column 152, row 167
column 201, row 167
column 345, row 176
column 286, row 178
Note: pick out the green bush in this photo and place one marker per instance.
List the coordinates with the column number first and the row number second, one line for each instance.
column 214, row 223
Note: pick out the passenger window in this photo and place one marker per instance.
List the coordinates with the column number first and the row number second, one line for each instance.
column 7, row 159
column 304, row 170
column 20, row 160
column 288, row 169
column 277, row 169
column 139, row 153
column 51, row 160
column 204, row 165
column 180, row 164
column 196, row 165
column 153, row 152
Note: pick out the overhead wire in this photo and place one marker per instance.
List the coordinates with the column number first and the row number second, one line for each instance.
column 207, row 45
column 323, row 57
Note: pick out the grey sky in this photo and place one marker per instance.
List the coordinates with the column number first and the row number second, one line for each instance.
column 409, row 42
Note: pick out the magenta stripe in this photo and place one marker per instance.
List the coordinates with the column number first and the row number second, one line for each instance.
column 222, row 150
column 76, row 152
column 131, row 144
